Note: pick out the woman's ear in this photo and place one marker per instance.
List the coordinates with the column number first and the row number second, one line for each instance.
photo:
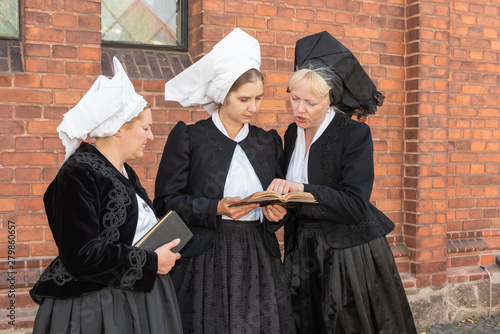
column 118, row 133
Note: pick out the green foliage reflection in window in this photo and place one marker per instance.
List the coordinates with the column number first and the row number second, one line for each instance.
column 145, row 22
column 9, row 18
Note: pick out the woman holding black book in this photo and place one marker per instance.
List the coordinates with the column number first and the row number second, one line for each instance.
column 341, row 272
column 230, row 278
column 97, row 210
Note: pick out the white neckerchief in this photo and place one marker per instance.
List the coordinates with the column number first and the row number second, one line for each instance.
column 146, row 217
column 297, row 168
column 241, row 178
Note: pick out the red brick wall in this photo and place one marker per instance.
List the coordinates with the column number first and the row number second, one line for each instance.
column 436, row 138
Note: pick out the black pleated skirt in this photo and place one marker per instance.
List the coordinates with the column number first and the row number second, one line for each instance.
column 113, row 311
column 234, row 287
column 355, row 290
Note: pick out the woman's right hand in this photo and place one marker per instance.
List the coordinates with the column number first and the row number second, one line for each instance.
column 235, row 212
column 166, row 259
column 285, row 186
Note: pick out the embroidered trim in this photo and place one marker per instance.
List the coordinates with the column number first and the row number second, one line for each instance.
column 137, row 259
column 116, row 215
column 114, row 218
column 56, row 272
column 343, row 230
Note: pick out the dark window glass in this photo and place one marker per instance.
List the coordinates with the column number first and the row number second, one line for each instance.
column 144, row 22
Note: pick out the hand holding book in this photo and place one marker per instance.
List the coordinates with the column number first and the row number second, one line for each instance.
column 170, row 227
column 268, row 197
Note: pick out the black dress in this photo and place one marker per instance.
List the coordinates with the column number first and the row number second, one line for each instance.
column 230, row 278
column 341, row 272
column 99, row 283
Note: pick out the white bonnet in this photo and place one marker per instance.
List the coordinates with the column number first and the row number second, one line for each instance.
column 102, row 111
column 208, row 81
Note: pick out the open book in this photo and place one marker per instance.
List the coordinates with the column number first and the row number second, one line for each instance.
column 268, row 197
column 170, row 227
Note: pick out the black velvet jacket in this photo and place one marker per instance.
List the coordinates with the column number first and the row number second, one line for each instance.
column 193, row 172
column 92, row 213
column 341, row 175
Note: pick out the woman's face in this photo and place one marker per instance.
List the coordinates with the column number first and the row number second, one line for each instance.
column 137, row 134
column 309, row 110
column 242, row 104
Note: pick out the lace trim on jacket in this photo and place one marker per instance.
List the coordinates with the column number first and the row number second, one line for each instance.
column 113, row 219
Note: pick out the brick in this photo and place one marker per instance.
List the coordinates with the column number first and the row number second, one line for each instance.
column 7, row 204
column 27, row 80
column 28, row 143
column 251, row 22
column 39, row 18
column 43, row 249
column 44, row 66
column 82, row 6
column 29, row 234
column 266, row 118
column 265, row 10
column 13, row 127
column 83, row 37
column 80, row 82
column 61, row 51
column 44, row 34
column 82, row 68
column 18, row 158
column 38, row 189
column 42, row 127
column 272, row 105
column 27, row 174
column 88, row 53
column 358, row 32
column 89, row 22
column 36, row 50
column 14, row 189
column 286, row 25
column 181, row 115
column 239, row 7
column 28, row 112
column 285, row 12
column 64, row 20
column 5, row 80
column 49, row 5
column 54, row 112
column 69, row 97
column 54, row 81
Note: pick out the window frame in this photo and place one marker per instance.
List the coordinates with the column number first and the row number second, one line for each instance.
column 19, row 16
column 183, row 45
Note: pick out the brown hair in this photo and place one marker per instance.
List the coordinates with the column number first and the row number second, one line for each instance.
column 252, row 75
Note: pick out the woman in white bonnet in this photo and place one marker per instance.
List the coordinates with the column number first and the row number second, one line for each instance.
column 230, row 278
column 97, row 209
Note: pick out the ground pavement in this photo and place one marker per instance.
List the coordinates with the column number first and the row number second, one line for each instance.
column 473, row 325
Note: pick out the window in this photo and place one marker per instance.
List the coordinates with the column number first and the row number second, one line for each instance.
column 145, row 22
column 9, row 18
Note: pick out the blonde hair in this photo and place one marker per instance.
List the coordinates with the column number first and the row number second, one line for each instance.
column 317, row 82
column 136, row 118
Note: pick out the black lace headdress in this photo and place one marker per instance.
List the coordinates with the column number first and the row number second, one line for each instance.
column 353, row 92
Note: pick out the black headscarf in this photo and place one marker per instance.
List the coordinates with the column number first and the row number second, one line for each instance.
column 353, row 92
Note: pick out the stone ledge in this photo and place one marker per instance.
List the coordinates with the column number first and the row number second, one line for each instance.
column 473, row 244
column 145, row 64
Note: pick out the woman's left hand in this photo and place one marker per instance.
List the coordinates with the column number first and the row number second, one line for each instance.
column 274, row 213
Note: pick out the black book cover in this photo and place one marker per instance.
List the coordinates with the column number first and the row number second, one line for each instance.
column 170, row 227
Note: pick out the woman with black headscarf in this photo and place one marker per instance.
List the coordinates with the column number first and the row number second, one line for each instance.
column 342, row 274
